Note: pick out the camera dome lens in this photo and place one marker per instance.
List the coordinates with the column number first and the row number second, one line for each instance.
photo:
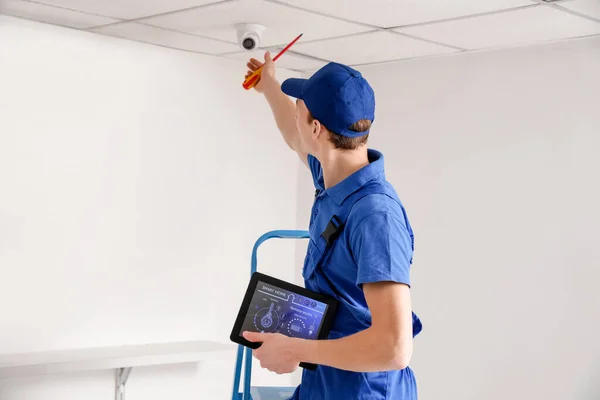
column 248, row 43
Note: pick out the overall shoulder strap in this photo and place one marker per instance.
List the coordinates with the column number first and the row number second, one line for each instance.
column 321, row 246
column 337, row 222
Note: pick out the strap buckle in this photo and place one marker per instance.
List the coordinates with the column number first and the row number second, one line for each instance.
column 332, row 230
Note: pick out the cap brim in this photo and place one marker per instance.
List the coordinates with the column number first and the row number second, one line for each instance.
column 293, row 87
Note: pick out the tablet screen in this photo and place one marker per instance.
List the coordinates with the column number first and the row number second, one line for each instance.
column 273, row 309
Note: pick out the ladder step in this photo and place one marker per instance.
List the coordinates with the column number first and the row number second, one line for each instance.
column 271, row 392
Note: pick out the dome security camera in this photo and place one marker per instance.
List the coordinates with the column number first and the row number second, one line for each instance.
column 249, row 36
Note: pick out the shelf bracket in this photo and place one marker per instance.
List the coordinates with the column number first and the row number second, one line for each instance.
column 121, row 376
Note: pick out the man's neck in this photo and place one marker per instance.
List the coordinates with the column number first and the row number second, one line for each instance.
column 338, row 165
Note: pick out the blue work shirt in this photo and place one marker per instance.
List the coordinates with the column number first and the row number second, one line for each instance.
column 376, row 244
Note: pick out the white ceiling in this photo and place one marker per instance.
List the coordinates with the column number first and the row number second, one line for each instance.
column 354, row 32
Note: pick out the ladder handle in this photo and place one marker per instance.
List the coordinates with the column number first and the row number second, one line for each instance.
column 281, row 234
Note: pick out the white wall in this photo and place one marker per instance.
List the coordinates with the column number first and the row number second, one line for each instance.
column 495, row 155
column 134, row 180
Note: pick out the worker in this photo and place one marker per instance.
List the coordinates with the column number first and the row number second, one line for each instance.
column 363, row 261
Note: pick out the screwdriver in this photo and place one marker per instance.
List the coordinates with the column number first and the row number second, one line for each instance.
column 252, row 80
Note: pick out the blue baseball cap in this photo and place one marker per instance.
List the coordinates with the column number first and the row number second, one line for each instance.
column 336, row 95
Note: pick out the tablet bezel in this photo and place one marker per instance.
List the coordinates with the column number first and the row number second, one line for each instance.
column 256, row 277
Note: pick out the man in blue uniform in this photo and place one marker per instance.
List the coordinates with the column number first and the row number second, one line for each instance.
column 361, row 245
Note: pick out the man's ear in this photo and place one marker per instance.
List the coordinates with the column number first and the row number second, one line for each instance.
column 316, row 128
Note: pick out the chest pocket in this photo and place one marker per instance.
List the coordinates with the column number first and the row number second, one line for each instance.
column 322, row 235
column 313, row 257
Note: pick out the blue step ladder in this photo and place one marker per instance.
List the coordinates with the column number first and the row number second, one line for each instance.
column 260, row 392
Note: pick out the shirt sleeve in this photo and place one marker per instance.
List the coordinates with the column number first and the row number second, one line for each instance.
column 382, row 249
column 315, row 170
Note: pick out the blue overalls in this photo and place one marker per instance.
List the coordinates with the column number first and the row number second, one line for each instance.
column 359, row 233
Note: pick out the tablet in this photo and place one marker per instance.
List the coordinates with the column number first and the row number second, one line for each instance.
column 275, row 306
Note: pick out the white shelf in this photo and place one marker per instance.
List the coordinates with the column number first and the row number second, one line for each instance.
column 87, row 359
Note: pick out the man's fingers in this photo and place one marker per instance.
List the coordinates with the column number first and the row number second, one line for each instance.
column 256, row 63
column 254, row 336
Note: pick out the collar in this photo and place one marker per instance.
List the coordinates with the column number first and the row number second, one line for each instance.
column 351, row 184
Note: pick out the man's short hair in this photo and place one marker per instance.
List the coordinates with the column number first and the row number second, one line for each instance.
column 348, row 143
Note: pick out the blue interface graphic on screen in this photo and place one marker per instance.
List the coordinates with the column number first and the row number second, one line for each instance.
column 273, row 309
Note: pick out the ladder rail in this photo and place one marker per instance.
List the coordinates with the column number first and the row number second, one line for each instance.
column 247, row 360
